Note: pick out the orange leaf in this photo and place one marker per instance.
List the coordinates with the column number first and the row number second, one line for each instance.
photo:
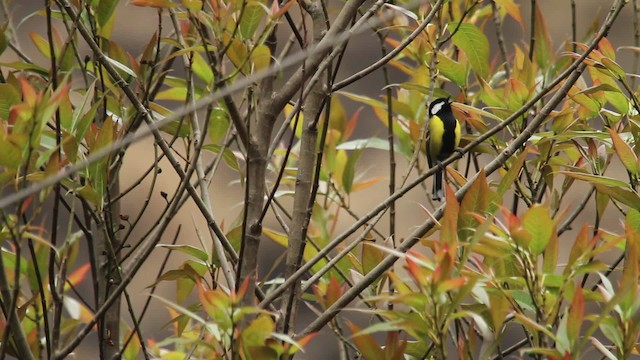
column 366, row 184
column 78, row 275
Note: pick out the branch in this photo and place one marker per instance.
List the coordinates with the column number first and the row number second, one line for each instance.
column 385, row 264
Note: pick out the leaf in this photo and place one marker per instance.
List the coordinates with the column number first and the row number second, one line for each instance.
column 604, row 45
column 258, row 331
column 602, row 349
column 201, row 68
column 366, row 344
column 218, row 125
column 237, row 53
column 348, row 175
column 179, row 128
column 473, row 42
column 9, row 96
column 227, row 155
column 20, row 65
column 278, row 237
column 120, row 66
column 173, row 93
column 370, row 143
column 533, row 326
column 402, row 10
column 261, row 57
column 625, row 153
column 104, row 13
column 596, row 179
column 160, row 4
column 3, row 40
column 615, row 69
column 449, row 222
column 98, row 170
column 513, row 172
column 132, row 350
column 452, row 70
column 90, row 194
column 512, row 9
column 251, row 17
column 542, row 47
column 540, row 226
column 41, row 44
column 621, row 194
column 192, row 5
column 333, row 293
column 475, row 200
column 371, row 257
column 187, row 249
column 576, row 315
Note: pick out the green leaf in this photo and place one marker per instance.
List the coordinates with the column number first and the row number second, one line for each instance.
column 9, row 96
column 98, row 170
column 370, row 143
column 473, row 42
column 238, row 53
column 179, row 128
column 349, row 170
column 90, row 194
column 104, row 15
column 187, row 249
column 227, row 155
column 542, row 47
column 201, row 68
column 621, row 194
column 251, row 17
column 192, row 5
column 540, row 226
column 596, row 179
column 41, row 44
column 258, row 331
column 452, row 70
column 371, row 257
column 611, row 331
column 11, row 154
column 132, row 350
column 261, row 58
column 218, row 125
column 3, row 40
column 20, row 65
column 173, row 93
column 513, row 172
column 633, row 219
column 615, row 69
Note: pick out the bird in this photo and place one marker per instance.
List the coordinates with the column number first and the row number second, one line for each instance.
column 443, row 139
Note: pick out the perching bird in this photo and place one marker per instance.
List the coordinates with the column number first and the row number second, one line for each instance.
column 442, row 140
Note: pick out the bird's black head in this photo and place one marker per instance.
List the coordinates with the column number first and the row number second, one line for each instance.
column 439, row 106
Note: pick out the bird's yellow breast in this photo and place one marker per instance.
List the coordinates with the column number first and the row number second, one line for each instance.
column 436, row 130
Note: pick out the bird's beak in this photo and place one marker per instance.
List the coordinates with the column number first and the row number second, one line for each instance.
column 449, row 100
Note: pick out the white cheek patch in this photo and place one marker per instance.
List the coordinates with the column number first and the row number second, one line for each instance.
column 436, row 108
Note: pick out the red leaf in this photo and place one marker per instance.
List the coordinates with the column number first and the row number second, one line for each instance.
column 576, row 315
column 153, row 3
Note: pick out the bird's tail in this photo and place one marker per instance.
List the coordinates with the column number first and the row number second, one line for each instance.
column 437, row 193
